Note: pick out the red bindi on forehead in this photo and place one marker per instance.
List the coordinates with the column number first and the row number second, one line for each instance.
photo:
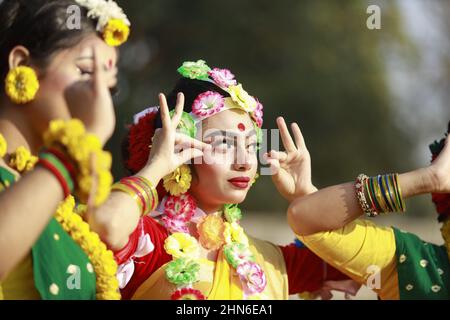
column 241, row 127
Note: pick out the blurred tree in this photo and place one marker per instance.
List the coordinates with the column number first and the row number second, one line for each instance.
column 314, row 62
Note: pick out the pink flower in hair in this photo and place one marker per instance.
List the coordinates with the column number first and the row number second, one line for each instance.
column 257, row 115
column 222, row 77
column 207, row 104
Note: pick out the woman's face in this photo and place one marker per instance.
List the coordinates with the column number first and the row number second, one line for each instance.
column 226, row 174
column 68, row 67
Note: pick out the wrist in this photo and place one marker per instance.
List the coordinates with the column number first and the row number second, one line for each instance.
column 151, row 172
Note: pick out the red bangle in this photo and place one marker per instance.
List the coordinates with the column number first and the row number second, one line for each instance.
column 65, row 160
column 46, row 164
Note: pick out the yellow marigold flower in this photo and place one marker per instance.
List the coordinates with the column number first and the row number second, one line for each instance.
column 180, row 245
column 212, row 232
column 3, row 146
column 242, row 98
column 235, row 233
column 116, row 32
column 102, row 259
column 22, row 160
column 21, row 84
column 179, row 181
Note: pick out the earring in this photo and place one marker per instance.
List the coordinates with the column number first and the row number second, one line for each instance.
column 21, row 85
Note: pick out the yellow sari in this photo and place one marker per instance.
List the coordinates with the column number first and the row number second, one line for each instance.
column 218, row 281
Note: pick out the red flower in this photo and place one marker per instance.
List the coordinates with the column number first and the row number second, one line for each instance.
column 139, row 140
column 187, row 294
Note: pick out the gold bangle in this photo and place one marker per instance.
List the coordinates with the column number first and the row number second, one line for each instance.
column 120, row 187
column 379, row 195
column 399, row 190
column 153, row 190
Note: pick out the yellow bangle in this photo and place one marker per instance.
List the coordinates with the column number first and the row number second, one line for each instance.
column 153, row 190
column 120, row 187
column 399, row 190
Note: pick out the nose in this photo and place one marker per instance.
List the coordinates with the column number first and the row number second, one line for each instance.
column 242, row 161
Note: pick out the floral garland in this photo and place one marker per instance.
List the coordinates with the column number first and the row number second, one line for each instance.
column 87, row 151
column 22, row 160
column 112, row 22
column 105, row 266
column 214, row 233
column 102, row 259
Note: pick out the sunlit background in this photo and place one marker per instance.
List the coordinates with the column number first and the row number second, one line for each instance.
column 367, row 100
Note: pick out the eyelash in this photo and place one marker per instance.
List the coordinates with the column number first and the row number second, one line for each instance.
column 83, row 72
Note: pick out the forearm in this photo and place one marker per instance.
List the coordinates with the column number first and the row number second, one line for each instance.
column 118, row 217
column 334, row 207
column 26, row 209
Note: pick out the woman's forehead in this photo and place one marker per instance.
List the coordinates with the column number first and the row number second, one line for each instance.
column 230, row 121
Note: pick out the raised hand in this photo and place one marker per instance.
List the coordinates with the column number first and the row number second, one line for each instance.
column 291, row 170
column 171, row 149
column 440, row 169
column 91, row 102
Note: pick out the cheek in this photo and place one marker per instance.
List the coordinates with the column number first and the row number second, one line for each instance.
column 209, row 176
column 209, row 181
column 57, row 82
column 50, row 102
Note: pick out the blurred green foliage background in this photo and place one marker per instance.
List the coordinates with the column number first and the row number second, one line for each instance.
column 314, row 62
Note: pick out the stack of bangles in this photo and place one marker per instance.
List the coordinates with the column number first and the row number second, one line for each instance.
column 58, row 163
column 141, row 190
column 379, row 194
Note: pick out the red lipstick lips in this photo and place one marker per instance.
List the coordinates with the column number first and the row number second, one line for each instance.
column 240, row 182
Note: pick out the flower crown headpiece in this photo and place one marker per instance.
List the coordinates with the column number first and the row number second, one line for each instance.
column 112, row 23
column 210, row 103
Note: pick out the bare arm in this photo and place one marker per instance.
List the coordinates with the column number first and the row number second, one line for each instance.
column 333, row 207
column 27, row 206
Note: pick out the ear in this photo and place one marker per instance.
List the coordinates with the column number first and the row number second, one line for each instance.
column 19, row 56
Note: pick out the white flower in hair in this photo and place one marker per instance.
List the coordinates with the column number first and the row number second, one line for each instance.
column 104, row 11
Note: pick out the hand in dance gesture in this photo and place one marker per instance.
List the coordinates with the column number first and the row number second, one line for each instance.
column 291, row 170
column 440, row 169
column 171, row 149
column 91, row 102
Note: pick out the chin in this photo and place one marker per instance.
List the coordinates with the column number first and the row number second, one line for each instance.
column 235, row 197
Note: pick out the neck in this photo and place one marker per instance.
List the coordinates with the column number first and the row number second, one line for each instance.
column 17, row 129
column 209, row 208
